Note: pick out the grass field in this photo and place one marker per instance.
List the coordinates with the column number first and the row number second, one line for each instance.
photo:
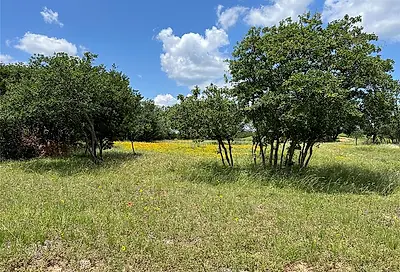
column 173, row 207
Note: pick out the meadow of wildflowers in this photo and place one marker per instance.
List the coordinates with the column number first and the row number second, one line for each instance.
column 174, row 207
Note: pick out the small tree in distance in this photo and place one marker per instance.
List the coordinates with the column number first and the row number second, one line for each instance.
column 357, row 134
column 146, row 122
column 211, row 114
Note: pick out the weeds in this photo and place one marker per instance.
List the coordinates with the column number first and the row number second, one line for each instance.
column 171, row 211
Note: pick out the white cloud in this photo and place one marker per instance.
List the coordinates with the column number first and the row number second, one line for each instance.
column 41, row 44
column 165, row 100
column 6, row 59
column 279, row 10
column 194, row 59
column 379, row 16
column 50, row 17
column 83, row 49
column 230, row 16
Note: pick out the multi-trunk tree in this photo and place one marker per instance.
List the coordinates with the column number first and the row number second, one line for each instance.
column 300, row 81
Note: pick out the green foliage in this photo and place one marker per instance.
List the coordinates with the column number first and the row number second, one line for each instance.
column 357, row 133
column 152, row 123
column 301, row 82
column 296, row 84
column 211, row 114
column 13, row 144
column 147, row 122
column 378, row 109
column 393, row 126
column 61, row 100
column 186, row 117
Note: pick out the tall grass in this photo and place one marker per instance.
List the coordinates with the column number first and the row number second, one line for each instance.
column 175, row 208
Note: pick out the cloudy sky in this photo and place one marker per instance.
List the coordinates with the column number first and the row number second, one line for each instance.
column 166, row 47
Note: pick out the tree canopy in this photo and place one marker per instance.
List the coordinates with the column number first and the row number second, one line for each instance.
column 59, row 101
column 300, row 82
column 211, row 114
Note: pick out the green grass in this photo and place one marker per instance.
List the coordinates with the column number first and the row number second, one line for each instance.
column 169, row 211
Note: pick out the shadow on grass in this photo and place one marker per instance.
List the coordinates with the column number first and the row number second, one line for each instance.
column 331, row 179
column 77, row 163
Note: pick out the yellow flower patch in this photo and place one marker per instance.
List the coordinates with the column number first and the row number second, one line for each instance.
column 204, row 149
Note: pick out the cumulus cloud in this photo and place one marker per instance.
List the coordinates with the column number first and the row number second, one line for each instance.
column 380, row 17
column 194, row 59
column 41, row 44
column 50, row 17
column 6, row 59
column 280, row 9
column 230, row 16
column 165, row 100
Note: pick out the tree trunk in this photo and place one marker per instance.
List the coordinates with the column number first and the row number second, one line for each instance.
column 262, row 152
column 101, row 153
column 226, row 153
column 304, row 154
column 301, row 154
column 276, row 153
column 92, row 151
column 133, row 148
column 271, row 152
column 254, row 152
column 374, row 138
column 220, row 152
column 282, row 153
column 259, row 140
column 93, row 141
column 86, row 147
column 230, row 151
column 101, row 147
column 290, row 154
column 309, row 155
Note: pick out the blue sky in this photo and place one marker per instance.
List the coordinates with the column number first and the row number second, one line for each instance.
column 165, row 47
